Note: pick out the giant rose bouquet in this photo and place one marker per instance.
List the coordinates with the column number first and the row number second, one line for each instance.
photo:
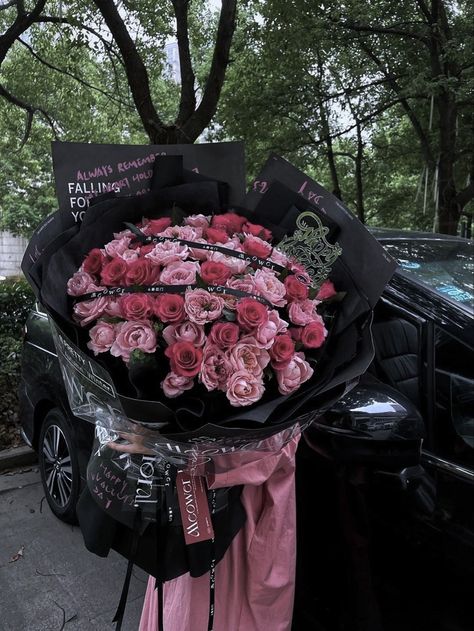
column 210, row 297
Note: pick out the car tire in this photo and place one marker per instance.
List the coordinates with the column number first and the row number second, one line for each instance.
column 59, row 466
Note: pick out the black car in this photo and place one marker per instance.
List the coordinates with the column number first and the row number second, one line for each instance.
column 367, row 449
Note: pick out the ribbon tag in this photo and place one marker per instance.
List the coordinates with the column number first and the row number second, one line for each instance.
column 194, row 508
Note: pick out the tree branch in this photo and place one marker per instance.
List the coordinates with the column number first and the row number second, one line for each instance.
column 22, row 22
column 424, row 142
column 377, row 30
column 73, row 76
column 187, row 103
column 220, row 60
column 8, row 5
column 135, row 69
column 30, row 110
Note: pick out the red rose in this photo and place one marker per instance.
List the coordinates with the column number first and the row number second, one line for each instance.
column 216, row 235
column 326, row 290
column 282, row 351
column 256, row 231
column 224, row 334
column 136, row 306
column 184, row 358
column 114, row 272
column 215, row 273
column 141, row 272
column 251, row 313
column 154, row 226
column 230, row 222
column 313, row 334
column 94, row 261
column 295, row 289
column 170, row 308
column 257, row 247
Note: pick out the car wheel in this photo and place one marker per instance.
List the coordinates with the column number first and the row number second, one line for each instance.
column 59, row 466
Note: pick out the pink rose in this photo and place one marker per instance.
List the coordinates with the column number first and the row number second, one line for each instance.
column 180, row 273
column 295, row 289
column 102, row 336
column 114, row 272
column 242, row 284
column 224, row 334
column 155, row 226
column 303, row 312
column 314, row 334
column 94, row 261
column 197, row 221
column 268, row 286
column 131, row 336
column 237, row 266
column 117, row 246
column 249, row 357
column 169, row 308
column 184, row 332
column 202, row 307
column 256, row 231
column 113, row 307
column 89, row 310
column 278, row 257
column 142, row 272
column 185, row 359
column 168, row 252
column 197, row 253
column 188, row 233
column 266, row 332
column 215, row 369
column 251, row 313
column 129, row 255
column 282, row 351
column 327, row 290
column 173, row 385
column 81, row 283
column 230, row 222
column 256, row 247
column 244, row 388
column 136, row 306
column 294, row 374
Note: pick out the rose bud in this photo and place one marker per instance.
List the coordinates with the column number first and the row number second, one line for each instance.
column 224, row 334
column 251, row 313
column 94, row 261
column 295, row 289
column 215, row 273
column 185, row 359
column 114, row 272
column 326, row 291
column 170, row 308
column 282, row 351
column 136, row 306
column 314, row 334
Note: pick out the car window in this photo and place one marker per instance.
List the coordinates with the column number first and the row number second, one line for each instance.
column 454, row 399
column 399, row 356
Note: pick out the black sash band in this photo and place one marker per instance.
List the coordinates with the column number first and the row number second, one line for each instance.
column 211, row 247
column 221, row 290
column 212, row 572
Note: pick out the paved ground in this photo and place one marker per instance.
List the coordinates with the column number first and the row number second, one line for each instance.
column 56, row 580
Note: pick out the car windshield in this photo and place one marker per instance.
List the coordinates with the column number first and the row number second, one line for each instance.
column 445, row 266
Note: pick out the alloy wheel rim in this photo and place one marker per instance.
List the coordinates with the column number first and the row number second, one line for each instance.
column 57, row 465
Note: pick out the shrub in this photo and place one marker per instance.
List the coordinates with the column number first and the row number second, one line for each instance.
column 16, row 299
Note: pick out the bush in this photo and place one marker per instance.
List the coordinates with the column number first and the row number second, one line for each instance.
column 16, row 299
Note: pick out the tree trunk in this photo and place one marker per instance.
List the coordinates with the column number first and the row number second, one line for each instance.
column 336, row 189
column 358, row 173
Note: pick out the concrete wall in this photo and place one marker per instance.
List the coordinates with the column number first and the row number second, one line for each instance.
column 11, row 253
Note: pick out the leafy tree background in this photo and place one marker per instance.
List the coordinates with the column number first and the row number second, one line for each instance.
column 375, row 100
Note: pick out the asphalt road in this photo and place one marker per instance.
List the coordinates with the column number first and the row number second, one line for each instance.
column 55, row 583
